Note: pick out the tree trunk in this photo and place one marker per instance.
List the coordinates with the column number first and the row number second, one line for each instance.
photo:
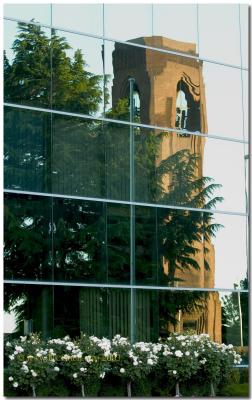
column 82, row 390
column 177, row 390
column 212, row 394
column 171, row 273
column 33, row 391
column 129, row 389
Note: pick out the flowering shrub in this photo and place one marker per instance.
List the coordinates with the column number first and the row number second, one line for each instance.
column 33, row 363
column 30, row 363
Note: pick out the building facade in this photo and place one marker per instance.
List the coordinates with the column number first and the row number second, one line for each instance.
column 119, row 210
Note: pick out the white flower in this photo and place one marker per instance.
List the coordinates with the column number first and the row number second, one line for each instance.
column 15, row 384
column 75, row 375
column 150, row 361
column 83, row 369
column 135, row 363
column 178, row 353
column 69, row 348
column 196, row 354
column 8, row 344
column 102, row 375
column 174, row 372
column 39, row 355
column 23, row 338
column 122, row 370
column 88, row 359
column 19, row 349
column 183, row 343
column 34, row 374
column 10, row 378
column 187, row 353
column 11, row 357
column 56, row 369
column 25, row 368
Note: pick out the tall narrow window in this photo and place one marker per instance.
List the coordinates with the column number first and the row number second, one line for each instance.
column 187, row 105
column 182, row 110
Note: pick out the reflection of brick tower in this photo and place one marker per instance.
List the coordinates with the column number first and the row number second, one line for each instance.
column 171, row 94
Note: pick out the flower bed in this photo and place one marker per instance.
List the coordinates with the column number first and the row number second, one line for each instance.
column 86, row 365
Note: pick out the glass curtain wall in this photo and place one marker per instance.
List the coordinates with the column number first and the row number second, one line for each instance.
column 126, row 156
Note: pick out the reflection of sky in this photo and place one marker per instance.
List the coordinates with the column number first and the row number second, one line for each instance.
column 223, row 160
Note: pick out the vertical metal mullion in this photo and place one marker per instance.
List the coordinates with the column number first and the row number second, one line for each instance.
column 132, row 219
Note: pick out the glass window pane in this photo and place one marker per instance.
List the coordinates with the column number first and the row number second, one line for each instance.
column 85, row 18
column 244, row 24
column 215, row 43
column 27, row 150
column 91, row 242
column 177, row 22
column 217, row 314
column 185, row 248
column 223, row 91
column 165, row 88
column 169, row 167
column 93, row 311
column 28, row 237
column 77, row 73
column 90, row 158
column 128, row 21
column 28, row 12
column 27, row 64
column 245, row 92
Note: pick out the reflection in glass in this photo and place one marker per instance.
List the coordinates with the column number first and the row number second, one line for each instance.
column 85, row 18
column 27, row 150
column 214, row 43
column 66, row 240
column 87, row 241
column 188, row 171
column 77, row 73
column 185, row 248
column 28, row 237
column 175, row 21
column 29, row 12
column 223, row 88
column 90, row 158
column 127, row 21
column 244, row 26
column 218, row 314
column 161, row 80
column 93, row 311
column 90, row 241
column 106, row 312
column 27, row 64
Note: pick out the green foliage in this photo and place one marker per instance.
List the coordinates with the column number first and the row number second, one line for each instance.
column 235, row 390
column 100, row 367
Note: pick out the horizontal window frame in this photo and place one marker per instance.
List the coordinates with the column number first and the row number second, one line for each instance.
column 121, row 122
column 121, row 286
column 103, row 37
column 122, row 202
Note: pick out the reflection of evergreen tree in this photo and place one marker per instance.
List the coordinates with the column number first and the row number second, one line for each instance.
column 86, row 158
column 231, row 316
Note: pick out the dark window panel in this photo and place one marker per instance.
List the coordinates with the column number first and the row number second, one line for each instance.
column 90, row 158
column 27, row 150
column 28, row 238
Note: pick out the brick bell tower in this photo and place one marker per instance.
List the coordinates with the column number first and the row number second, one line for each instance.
column 171, row 94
